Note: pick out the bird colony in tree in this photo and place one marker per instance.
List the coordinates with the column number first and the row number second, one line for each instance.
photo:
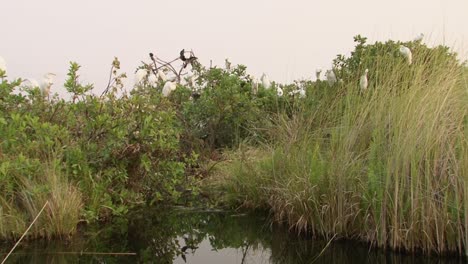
column 166, row 74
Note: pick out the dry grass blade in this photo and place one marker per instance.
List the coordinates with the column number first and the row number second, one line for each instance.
column 25, row 232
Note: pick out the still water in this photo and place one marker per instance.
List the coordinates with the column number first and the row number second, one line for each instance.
column 181, row 235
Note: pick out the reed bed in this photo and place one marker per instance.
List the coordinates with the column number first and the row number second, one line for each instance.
column 388, row 165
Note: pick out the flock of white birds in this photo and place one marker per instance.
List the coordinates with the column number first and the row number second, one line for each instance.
column 45, row 84
column 153, row 78
column 363, row 81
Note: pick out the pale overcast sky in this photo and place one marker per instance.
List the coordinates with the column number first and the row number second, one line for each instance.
column 285, row 39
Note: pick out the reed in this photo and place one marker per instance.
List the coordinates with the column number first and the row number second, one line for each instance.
column 388, row 165
column 50, row 185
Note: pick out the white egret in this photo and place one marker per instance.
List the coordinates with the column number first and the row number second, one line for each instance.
column 419, row 37
column 161, row 75
column 193, row 80
column 406, row 52
column 363, row 82
column 331, row 77
column 171, row 77
column 317, row 73
column 140, row 76
column 279, row 91
column 265, row 82
column 227, row 64
column 302, row 93
column 254, row 85
column 31, row 83
column 46, row 83
column 152, row 79
column 3, row 64
column 168, row 88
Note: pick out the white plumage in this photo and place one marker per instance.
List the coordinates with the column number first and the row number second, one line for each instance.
column 140, row 76
column 302, row 93
column 192, row 80
column 31, row 83
column 265, row 82
column 254, row 85
column 171, row 77
column 317, row 73
column 168, row 88
column 363, row 82
column 406, row 52
column 46, row 83
column 419, row 37
column 279, row 91
column 331, row 77
column 161, row 75
column 227, row 65
column 152, row 80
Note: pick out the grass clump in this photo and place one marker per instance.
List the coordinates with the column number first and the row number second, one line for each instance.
column 387, row 165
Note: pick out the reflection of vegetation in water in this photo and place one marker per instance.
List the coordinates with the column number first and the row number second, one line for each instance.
column 167, row 235
column 157, row 236
column 160, row 236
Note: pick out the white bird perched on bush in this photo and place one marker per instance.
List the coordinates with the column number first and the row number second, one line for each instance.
column 171, row 77
column 161, row 75
column 302, row 93
column 279, row 91
column 363, row 82
column 265, row 82
column 152, row 79
column 47, row 82
column 192, row 80
column 331, row 77
column 168, row 88
column 31, row 83
column 140, row 76
column 406, row 52
column 317, row 73
column 227, row 64
column 254, row 85
column 419, row 37
column 3, row 64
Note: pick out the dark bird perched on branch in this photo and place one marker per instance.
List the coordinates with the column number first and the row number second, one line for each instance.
column 154, row 70
column 186, row 60
column 182, row 55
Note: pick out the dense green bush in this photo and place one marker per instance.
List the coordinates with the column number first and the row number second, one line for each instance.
column 120, row 149
column 112, row 151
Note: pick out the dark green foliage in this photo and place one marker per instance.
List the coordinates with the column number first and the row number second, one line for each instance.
column 118, row 151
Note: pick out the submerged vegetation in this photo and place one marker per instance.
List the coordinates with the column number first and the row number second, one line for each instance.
column 382, row 159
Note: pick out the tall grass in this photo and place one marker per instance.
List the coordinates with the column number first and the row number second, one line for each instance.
column 388, row 165
column 60, row 216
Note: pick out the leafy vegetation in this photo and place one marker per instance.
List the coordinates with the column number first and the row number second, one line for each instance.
column 386, row 165
column 94, row 157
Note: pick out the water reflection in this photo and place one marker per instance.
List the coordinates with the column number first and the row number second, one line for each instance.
column 192, row 236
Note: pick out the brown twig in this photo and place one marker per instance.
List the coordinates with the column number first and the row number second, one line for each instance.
column 109, row 83
column 168, row 64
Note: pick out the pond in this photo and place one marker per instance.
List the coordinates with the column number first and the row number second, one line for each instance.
column 182, row 235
